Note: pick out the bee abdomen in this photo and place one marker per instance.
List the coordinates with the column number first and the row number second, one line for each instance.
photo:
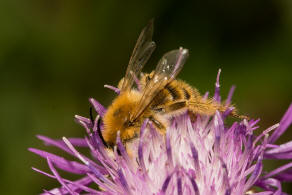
column 186, row 91
column 174, row 91
column 187, row 94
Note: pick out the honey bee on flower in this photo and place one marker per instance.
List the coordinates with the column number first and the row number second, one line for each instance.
column 159, row 96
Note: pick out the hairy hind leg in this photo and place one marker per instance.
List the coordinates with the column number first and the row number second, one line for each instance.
column 204, row 107
column 199, row 106
column 208, row 107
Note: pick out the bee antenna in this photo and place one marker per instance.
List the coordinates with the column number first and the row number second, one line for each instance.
column 90, row 114
column 98, row 127
column 99, row 132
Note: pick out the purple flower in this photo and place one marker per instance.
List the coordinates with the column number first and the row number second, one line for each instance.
column 194, row 157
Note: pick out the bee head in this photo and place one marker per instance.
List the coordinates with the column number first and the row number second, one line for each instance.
column 118, row 118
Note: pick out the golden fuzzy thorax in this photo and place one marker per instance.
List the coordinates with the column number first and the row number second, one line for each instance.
column 118, row 115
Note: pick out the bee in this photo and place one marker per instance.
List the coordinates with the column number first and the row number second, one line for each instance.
column 159, row 95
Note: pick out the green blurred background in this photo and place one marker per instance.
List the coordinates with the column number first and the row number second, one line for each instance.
column 55, row 54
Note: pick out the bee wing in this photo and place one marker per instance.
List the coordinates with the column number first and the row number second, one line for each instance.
column 167, row 69
column 141, row 53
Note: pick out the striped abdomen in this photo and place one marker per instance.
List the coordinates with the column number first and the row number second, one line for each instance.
column 174, row 96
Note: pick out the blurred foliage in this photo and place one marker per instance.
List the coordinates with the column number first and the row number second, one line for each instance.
column 55, row 54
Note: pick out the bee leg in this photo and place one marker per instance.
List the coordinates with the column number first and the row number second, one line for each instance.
column 236, row 115
column 159, row 126
column 204, row 107
column 192, row 116
column 176, row 106
column 208, row 107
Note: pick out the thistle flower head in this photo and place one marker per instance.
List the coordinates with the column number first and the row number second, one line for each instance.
column 201, row 156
